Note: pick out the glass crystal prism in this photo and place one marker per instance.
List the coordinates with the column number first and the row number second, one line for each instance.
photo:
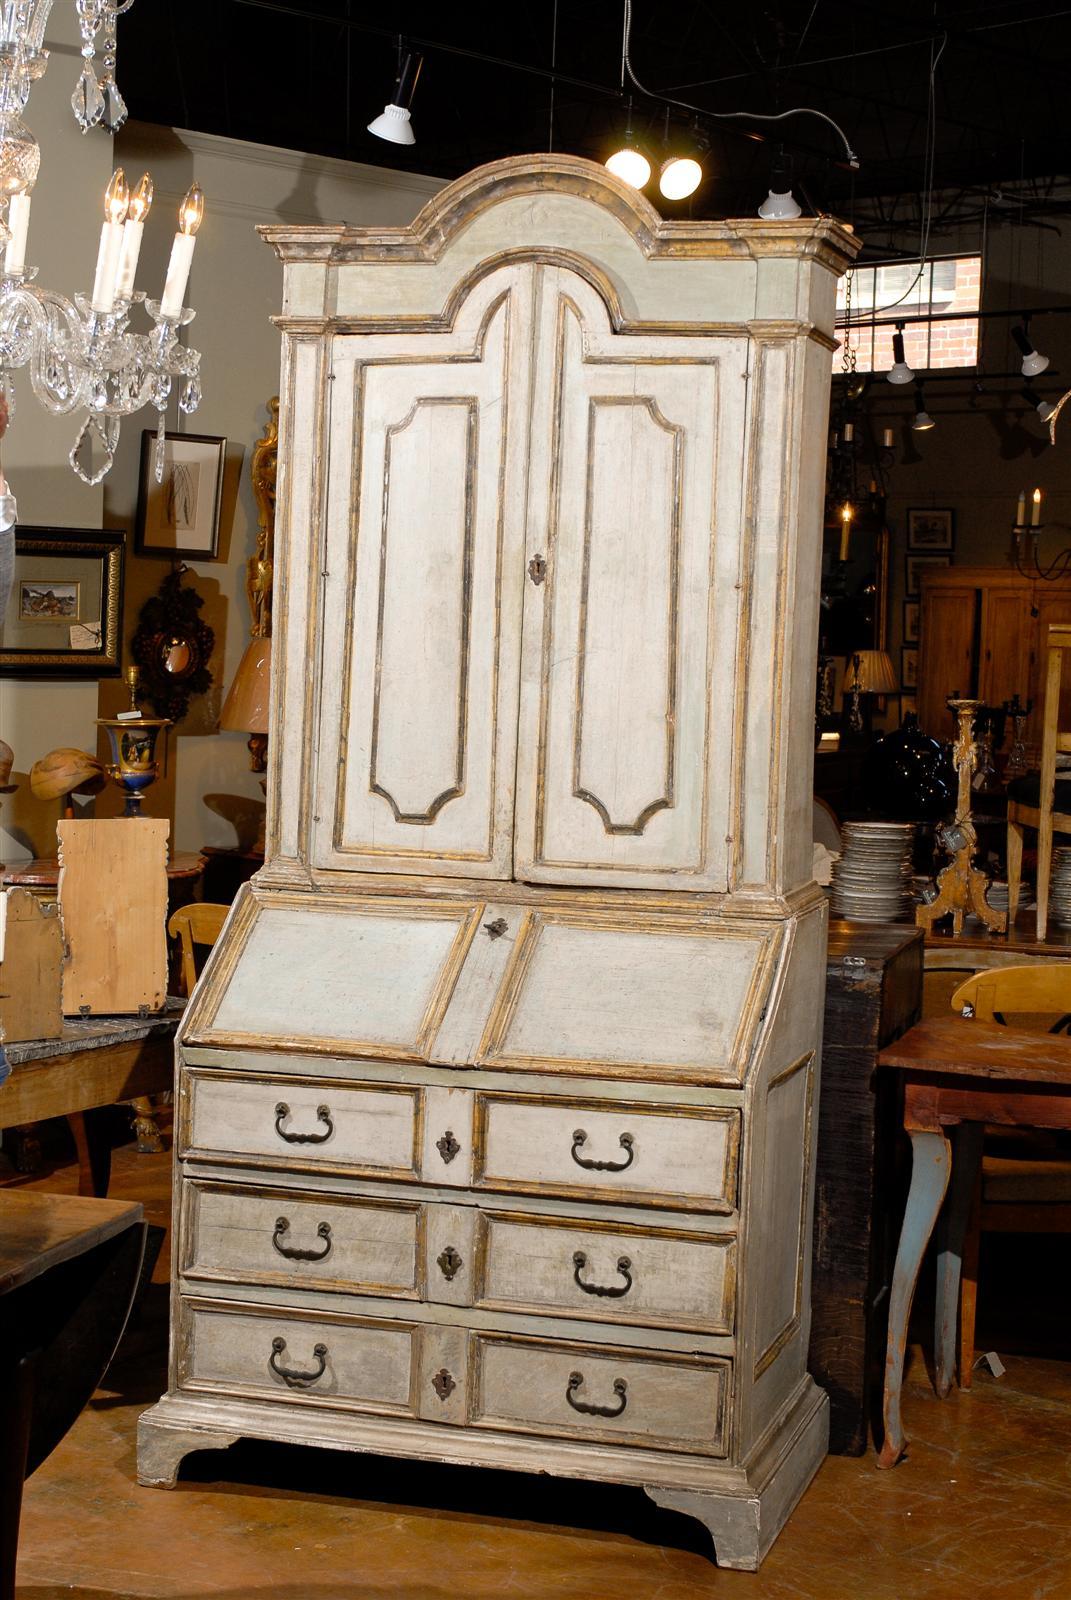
column 115, row 112
column 191, row 397
column 87, row 101
column 92, row 454
column 160, row 449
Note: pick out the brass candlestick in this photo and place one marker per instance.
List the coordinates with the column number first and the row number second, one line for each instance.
column 961, row 886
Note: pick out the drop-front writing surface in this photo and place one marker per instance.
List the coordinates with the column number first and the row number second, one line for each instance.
column 532, row 475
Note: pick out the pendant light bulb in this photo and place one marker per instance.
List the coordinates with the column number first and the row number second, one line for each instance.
column 630, row 164
column 899, row 372
column 922, row 422
column 680, row 176
column 780, row 204
column 394, row 123
column 1033, row 361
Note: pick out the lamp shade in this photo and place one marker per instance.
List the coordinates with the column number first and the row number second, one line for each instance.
column 245, row 709
column 871, row 672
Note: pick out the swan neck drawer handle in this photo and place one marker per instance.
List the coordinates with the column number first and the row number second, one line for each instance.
column 290, row 1375
column 620, row 1389
column 610, row 1291
column 626, row 1141
column 291, row 1252
column 282, row 1111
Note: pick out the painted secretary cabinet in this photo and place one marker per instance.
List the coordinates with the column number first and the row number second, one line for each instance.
column 497, row 1097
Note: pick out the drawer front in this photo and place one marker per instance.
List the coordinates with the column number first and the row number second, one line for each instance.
column 590, row 1148
column 585, row 1269
column 306, row 1126
column 301, row 1241
column 281, row 1355
column 576, row 1391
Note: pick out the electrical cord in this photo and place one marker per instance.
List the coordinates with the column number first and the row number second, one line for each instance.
column 728, row 116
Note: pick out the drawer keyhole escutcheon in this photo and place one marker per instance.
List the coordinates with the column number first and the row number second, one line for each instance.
column 447, row 1146
column 282, row 1111
column 495, row 930
column 626, row 1141
column 443, row 1384
column 291, row 1252
column 576, row 1379
column 537, row 570
column 291, row 1375
column 610, row 1291
column 449, row 1263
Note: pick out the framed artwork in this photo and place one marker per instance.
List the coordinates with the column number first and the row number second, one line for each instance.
column 931, row 528
column 915, row 566
column 64, row 612
column 909, row 667
column 911, row 621
column 180, row 515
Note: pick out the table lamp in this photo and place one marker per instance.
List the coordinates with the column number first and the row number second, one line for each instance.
column 868, row 672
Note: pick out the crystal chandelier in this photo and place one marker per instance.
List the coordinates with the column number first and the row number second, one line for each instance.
column 81, row 355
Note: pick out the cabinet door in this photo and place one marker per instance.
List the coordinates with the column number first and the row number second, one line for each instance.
column 947, row 633
column 631, row 600
column 1003, row 669
column 421, row 638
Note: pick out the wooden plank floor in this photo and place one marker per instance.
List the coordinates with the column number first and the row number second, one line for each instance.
column 982, row 1507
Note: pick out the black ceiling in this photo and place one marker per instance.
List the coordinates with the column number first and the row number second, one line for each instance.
column 310, row 76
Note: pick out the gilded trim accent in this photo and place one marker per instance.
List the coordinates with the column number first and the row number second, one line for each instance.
column 581, row 791
column 469, row 405
column 792, row 1326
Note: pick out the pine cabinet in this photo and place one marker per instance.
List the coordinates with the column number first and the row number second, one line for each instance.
column 982, row 633
column 496, row 1101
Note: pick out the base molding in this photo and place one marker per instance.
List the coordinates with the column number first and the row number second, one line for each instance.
column 744, row 1525
column 743, row 1509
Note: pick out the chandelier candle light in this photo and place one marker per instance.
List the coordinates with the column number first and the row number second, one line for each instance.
column 81, row 354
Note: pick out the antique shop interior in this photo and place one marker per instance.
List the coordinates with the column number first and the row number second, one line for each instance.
column 535, row 800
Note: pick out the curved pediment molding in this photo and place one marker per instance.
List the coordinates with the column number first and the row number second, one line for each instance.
column 453, row 209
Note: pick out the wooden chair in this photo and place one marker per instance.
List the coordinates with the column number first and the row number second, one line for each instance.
column 1039, row 800
column 1024, row 1181
column 199, row 923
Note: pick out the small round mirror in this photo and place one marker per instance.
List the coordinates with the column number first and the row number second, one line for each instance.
column 176, row 656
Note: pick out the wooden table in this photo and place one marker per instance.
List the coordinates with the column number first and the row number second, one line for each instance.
column 99, row 1061
column 873, row 993
column 69, row 1269
column 957, row 1073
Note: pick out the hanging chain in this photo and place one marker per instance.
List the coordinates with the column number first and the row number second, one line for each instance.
column 847, row 355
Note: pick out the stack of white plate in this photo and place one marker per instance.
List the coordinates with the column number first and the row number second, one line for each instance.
column 872, row 879
column 1060, row 887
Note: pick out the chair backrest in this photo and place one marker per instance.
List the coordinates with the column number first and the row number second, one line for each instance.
column 198, row 923
column 1053, row 738
column 1039, row 989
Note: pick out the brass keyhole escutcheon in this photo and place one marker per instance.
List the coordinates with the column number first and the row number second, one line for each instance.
column 449, row 1263
column 537, row 570
column 447, row 1146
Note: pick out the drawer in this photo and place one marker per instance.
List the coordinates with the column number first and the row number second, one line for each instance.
column 654, row 1277
column 608, row 1150
column 301, row 1241
column 305, row 1126
column 313, row 1360
column 584, row 1392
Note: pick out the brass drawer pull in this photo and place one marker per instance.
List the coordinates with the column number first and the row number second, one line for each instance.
column 282, row 1227
column 323, row 1115
column 610, row 1291
column 626, row 1142
column 620, row 1388
column 290, row 1375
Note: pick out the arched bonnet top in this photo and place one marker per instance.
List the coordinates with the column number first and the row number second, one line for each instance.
column 563, row 208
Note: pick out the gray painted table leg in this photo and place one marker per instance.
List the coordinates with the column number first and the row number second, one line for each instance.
column 968, row 1143
column 931, row 1163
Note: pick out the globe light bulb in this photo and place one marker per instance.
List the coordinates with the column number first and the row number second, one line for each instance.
column 680, row 177
column 631, row 166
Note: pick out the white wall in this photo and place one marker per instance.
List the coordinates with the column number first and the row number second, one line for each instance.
column 68, row 207
column 236, row 288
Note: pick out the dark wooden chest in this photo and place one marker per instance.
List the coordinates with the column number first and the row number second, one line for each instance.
column 873, row 993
